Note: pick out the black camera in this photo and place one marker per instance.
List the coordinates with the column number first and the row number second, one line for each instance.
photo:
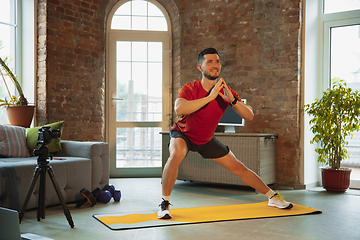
column 46, row 134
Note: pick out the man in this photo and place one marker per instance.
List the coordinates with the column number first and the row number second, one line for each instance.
column 201, row 104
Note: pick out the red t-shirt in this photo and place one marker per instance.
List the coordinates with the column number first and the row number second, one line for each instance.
column 200, row 126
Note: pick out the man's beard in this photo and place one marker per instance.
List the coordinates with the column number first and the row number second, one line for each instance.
column 208, row 76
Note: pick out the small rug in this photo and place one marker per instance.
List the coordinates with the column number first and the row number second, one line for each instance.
column 181, row 216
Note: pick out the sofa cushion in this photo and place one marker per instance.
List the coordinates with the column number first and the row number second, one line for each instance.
column 71, row 175
column 12, row 141
column 32, row 135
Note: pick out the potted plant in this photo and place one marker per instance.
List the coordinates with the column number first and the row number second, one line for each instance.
column 335, row 116
column 18, row 110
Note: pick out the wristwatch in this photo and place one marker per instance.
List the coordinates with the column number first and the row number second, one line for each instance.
column 235, row 101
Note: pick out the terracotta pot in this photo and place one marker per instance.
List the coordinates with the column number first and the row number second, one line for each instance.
column 20, row 115
column 336, row 180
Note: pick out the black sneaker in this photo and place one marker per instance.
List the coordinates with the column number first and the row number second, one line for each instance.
column 164, row 212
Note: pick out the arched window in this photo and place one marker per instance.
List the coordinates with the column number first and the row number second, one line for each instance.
column 139, row 86
column 139, row 15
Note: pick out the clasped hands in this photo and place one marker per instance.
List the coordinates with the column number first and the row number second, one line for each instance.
column 227, row 95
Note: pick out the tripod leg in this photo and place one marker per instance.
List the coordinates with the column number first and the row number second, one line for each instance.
column 41, row 199
column 29, row 192
column 61, row 198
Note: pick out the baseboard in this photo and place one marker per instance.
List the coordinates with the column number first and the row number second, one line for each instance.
column 312, row 185
column 282, row 186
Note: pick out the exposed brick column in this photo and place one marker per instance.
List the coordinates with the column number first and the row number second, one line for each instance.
column 72, row 68
column 41, row 111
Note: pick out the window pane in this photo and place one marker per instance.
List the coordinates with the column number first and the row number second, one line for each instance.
column 157, row 24
column 139, row 51
column 345, row 53
column 155, row 92
column 121, row 22
column 8, row 41
column 7, row 12
column 139, row 23
column 138, row 147
column 154, row 11
column 124, row 9
column 139, row 75
column 333, row 6
column 155, row 51
column 123, row 72
column 123, row 106
column 139, row 8
column 123, row 51
column 154, row 109
column 155, row 76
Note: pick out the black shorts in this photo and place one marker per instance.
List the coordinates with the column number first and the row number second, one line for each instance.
column 211, row 150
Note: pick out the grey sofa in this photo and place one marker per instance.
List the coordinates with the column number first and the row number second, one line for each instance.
column 82, row 165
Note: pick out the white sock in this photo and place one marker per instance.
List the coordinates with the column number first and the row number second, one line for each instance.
column 270, row 193
column 166, row 198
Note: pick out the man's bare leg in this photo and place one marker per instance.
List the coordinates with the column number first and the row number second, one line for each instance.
column 252, row 179
column 178, row 150
column 235, row 166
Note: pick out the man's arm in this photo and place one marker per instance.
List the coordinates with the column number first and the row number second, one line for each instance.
column 244, row 110
column 186, row 107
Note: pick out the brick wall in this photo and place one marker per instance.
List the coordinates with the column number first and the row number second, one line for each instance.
column 258, row 42
column 71, row 64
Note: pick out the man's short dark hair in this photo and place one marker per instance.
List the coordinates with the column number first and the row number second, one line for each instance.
column 204, row 52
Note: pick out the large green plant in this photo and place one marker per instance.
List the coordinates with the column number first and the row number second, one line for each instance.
column 335, row 117
column 5, row 71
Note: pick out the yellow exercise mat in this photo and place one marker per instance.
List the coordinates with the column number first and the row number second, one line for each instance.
column 200, row 215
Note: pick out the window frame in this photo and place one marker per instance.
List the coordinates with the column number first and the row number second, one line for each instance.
column 313, row 78
column 15, row 47
column 137, row 35
column 326, row 22
column 25, row 54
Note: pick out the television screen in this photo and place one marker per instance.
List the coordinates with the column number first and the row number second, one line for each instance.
column 231, row 118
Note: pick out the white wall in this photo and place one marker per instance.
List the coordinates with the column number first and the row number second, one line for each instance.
column 29, row 48
column 312, row 86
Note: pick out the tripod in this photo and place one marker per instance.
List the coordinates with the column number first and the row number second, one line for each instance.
column 40, row 170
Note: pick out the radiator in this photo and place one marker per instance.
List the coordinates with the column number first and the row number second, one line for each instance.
column 257, row 151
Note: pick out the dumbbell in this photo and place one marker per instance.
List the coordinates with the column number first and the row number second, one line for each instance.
column 103, row 196
column 87, row 197
column 110, row 188
column 107, row 192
